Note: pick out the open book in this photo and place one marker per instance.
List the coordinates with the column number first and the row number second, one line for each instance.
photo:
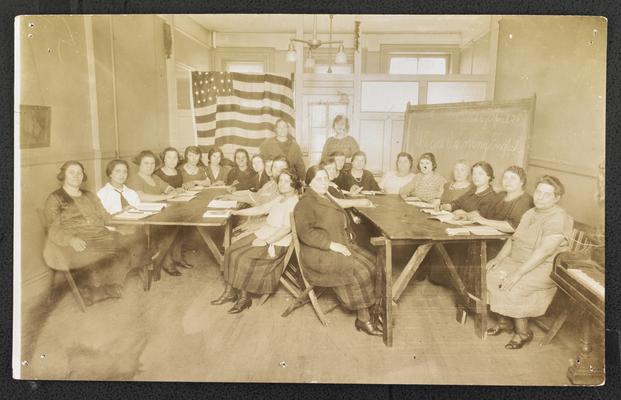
column 449, row 218
column 420, row 204
column 155, row 207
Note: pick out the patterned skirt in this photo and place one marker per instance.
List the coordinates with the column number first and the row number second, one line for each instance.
column 250, row 268
column 359, row 294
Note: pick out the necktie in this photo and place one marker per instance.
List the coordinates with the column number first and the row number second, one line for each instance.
column 124, row 202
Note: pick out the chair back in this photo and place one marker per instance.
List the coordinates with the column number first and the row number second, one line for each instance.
column 581, row 239
column 295, row 240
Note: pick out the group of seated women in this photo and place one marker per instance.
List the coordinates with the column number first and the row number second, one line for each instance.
column 519, row 286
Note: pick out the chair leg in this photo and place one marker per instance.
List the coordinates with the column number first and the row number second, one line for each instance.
column 264, row 298
column 50, row 295
column 556, row 326
column 75, row 290
column 299, row 302
column 315, row 303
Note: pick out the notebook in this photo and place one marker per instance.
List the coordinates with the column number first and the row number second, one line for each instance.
column 150, row 206
column 132, row 215
column 222, row 204
column 217, row 214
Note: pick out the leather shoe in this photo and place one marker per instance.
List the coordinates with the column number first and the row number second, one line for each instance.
column 498, row 329
column 241, row 305
column 519, row 340
column 184, row 264
column 172, row 270
column 367, row 327
column 225, row 297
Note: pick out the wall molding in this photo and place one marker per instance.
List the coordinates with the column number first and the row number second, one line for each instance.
column 554, row 165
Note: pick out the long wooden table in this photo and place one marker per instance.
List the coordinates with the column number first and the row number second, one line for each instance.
column 402, row 224
column 188, row 213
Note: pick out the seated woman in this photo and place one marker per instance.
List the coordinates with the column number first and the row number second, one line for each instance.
column 168, row 172
column 151, row 187
column 242, row 177
column 258, row 166
column 341, row 166
column 216, row 172
column 357, row 178
column 480, row 197
column 393, row 181
column 460, row 185
column 506, row 211
column 254, row 264
column 268, row 191
column 193, row 174
column 335, row 193
column 330, row 257
column 518, row 279
column 342, row 141
column 76, row 222
column 427, row 185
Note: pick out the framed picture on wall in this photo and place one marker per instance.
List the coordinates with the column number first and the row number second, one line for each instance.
column 35, row 122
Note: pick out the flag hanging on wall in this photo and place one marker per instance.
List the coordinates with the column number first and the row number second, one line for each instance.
column 233, row 110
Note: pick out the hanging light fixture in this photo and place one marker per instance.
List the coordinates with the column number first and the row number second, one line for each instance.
column 341, row 57
column 291, row 54
column 310, row 60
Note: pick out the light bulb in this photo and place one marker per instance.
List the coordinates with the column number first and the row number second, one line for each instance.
column 341, row 57
column 310, row 61
column 291, row 55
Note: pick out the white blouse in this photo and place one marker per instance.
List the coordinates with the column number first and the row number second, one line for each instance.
column 278, row 216
column 392, row 183
column 111, row 197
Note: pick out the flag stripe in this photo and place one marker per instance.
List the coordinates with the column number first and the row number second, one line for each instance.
column 235, row 130
column 252, row 144
column 236, row 123
column 202, row 109
column 240, row 112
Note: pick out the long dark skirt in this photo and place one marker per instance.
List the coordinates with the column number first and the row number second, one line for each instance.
column 250, row 268
column 359, row 294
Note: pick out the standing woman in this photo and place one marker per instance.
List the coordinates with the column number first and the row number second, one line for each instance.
column 168, row 172
column 283, row 144
column 358, row 178
column 342, row 141
column 78, row 237
column 427, row 185
column 331, row 258
column 192, row 173
column 393, row 181
column 255, row 263
column 460, row 185
column 258, row 165
column 216, row 172
column 151, row 187
column 518, row 282
column 242, row 177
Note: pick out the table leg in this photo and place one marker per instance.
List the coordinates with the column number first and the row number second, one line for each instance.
column 410, row 269
column 457, row 282
column 227, row 234
column 384, row 265
column 204, row 232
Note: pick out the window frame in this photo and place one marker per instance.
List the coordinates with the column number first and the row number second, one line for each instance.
column 450, row 52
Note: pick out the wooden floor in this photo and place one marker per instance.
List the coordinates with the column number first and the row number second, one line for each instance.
column 172, row 333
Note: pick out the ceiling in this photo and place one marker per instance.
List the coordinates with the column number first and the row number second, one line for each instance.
column 469, row 26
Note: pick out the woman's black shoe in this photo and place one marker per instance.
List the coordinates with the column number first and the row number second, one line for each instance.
column 172, row 270
column 522, row 339
column 225, row 297
column 498, row 329
column 241, row 305
column 184, row 264
column 367, row 327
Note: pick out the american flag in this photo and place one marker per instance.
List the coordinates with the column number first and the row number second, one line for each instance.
column 233, row 110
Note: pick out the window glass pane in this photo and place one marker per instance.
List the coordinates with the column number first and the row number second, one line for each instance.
column 250, row 67
column 454, row 92
column 432, row 65
column 388, row 96
column 403, row 65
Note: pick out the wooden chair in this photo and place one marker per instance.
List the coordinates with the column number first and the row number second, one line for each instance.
column 55, row 260
column 581, row 242
column 293, row 279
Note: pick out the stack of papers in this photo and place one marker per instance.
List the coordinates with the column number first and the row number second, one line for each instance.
column 132, row 215
column 183, row 197
column 436, row 212
column 225, row 204
column 457, row 231
column 420, row 204
column 155, row 207
column 371, row 192
column 217, row 214
column 193, row 192
column 448, row 218
column 475, row 230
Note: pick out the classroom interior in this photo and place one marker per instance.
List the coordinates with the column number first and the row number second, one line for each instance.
column 119, row 84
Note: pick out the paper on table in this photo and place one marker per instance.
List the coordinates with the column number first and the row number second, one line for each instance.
column 133, row 215
column 182, row 198
column 222, row 204
column 457, row 231
column 434, row 212
column 217, row 187
column 217, row 214
column 150, row 206
column 370, row 192
column 412, row 198
column 483, row 230
column 420, row 204
column 191, row 192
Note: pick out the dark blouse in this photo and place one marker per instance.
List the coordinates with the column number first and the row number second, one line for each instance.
column 200, row 174
column 245, row 179
column 471, row 201
column 222, row 174
column 450, row 194
column 510, row 211
column 260, row 181
column 173, row 180
column 367, row 181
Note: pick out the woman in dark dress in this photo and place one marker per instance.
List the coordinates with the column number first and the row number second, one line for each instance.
column 330, row 256
column 255, row 263
column 168, row 172
column 258, row 166
column 460, row 184
column 193, row 174
column 480, row 197
column 284, row 144
column 78, row 237
column 216, row 172
column 357, row 178
column 242, row 177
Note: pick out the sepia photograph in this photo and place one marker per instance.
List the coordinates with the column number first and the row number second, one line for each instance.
column 310, row 198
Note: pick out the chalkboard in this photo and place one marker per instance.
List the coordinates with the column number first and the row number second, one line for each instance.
column 496, row 132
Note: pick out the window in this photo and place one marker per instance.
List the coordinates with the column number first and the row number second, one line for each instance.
column 336, row 68
column 419, row 64
column 249, row 67
column 388, row 96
